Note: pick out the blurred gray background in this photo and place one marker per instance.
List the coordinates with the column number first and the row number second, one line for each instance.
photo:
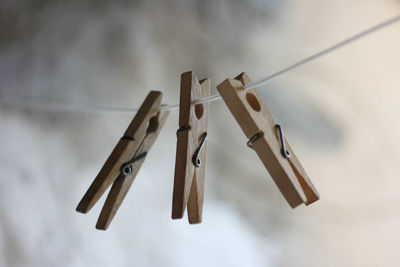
column 340, row 114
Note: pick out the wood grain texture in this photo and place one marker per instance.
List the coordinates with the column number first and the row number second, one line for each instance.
column 308, row 187
column 253, row 117
column 188, row 179
column 123, row 151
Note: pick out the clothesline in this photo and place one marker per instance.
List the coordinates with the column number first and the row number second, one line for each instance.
column 263, row 81
column 216, row 97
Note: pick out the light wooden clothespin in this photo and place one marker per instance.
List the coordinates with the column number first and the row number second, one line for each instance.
column 191, row 149
column 124, row 163
column 266, row 138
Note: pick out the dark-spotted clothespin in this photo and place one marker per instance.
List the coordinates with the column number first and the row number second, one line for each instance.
column 267, row 140
column 124, row 163
column 191, row 149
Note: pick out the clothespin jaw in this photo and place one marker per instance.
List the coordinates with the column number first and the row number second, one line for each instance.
column 124, row 163
column 266, row 138
column 191, row 149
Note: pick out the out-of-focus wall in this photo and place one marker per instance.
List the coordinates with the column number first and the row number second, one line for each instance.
column 339, row 113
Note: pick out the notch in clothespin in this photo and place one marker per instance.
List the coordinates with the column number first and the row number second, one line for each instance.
column 191, row 149
column 124, row 163
column 267, row 140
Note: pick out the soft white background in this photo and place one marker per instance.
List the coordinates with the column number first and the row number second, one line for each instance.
column 340, row 113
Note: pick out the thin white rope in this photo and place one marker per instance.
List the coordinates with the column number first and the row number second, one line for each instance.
column 212, row 98
column 325, row 51
column 310, row 58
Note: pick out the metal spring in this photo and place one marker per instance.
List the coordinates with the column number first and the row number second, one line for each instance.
column 285, row 153
column 183, row 128
column 196, row 156
column 126, row 168
column 254, row 138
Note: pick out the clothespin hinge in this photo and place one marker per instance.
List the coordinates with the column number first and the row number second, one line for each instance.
column 196, row 156
column 126, row 168
column 183, row 128
column 285, row 153
column 254, row 138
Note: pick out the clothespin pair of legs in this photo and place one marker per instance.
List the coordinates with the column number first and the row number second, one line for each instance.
column 191, row 149
column 125, row 160
column 267, row 140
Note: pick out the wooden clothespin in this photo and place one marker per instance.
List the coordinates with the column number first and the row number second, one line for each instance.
column 124, row 163
column 266, row 138
column 191, row 149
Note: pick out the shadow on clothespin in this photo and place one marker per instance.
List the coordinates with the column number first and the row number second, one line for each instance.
column 267, row 140
column 124, row 163
column 191, row 149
